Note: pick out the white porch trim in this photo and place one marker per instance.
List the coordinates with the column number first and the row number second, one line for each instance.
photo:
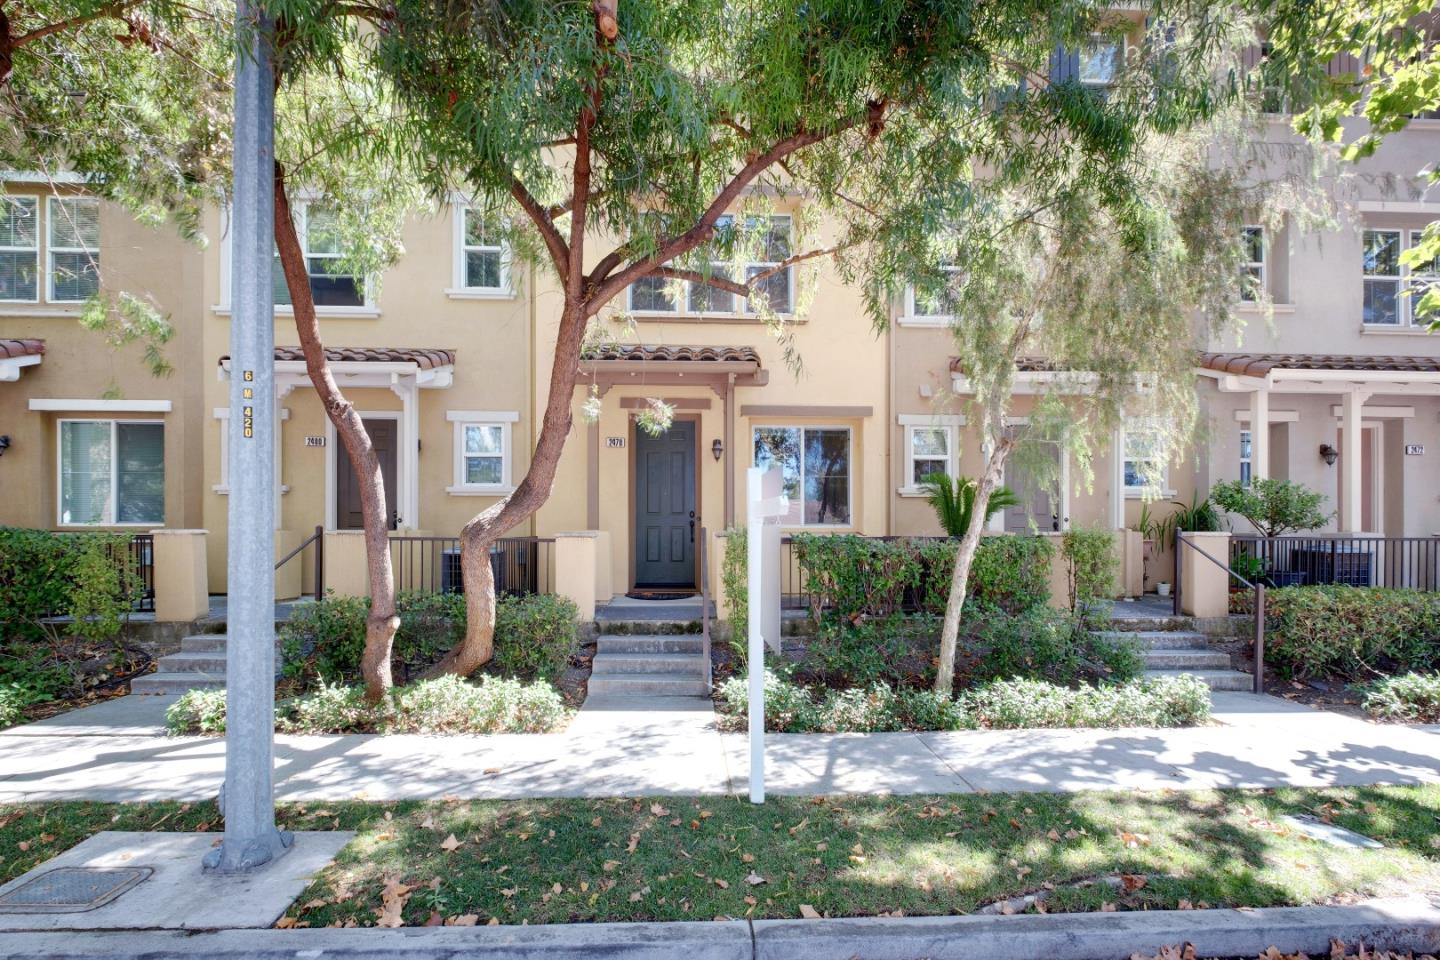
column 11, row 367
column 101, row 406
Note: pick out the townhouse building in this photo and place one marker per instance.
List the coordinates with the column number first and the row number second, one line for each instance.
column 448, row 358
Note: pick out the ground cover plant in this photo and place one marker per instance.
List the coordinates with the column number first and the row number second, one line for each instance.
column 1014, row 704
column 688, row 858
column 1408, row 698
column 446, row 704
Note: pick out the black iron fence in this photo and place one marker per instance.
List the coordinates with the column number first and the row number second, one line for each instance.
column 142, row 553
column 1402, row 563
column 521, row 565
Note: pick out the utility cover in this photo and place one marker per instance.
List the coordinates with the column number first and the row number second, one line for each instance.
column 72, row 889
column 1330, row 833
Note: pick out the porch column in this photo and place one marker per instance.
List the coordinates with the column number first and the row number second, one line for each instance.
column 1351, row 506
column 1117, row 480
column 728, row 461
column 1260, row 434
column 406, row 492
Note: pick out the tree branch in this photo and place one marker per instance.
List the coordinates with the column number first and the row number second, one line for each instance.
column 559, row 252
column 789, row 262
column 110, row 10
column 695, row 276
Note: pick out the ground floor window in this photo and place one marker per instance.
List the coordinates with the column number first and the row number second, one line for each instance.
column 929, row 453
column 1245, row 458
column 112, row 472
column 815, row 465
column 1145, row 457
column 482, row 451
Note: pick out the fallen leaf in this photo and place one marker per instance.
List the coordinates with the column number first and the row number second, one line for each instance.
column 1107, row 908
column 490, row 771
column 435, row 919
column 284, row 923
column 808, row 912
column 754, row 879
column 609, row 865
column 464, row 920
column 722, row 884
column 449, row 844
column 659, row 810
column 634, row 842
column 1131, row 882
column 747, row 858
column 556, row 888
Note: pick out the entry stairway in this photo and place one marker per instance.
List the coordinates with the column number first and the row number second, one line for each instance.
column 200, row 665
column 645, row 657
column 1173, row 647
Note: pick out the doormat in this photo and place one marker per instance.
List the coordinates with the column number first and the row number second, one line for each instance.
column 662, row 594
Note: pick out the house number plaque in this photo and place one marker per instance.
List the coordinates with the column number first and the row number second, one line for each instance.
column 314, row 441
column 615, row 442
column 1414, row 449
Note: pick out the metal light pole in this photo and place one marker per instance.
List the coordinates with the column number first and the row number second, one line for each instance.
column 247, row 798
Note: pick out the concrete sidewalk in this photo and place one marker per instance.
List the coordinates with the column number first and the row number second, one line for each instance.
column 616, row 748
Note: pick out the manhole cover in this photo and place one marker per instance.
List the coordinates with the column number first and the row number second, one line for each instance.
column 72, row 889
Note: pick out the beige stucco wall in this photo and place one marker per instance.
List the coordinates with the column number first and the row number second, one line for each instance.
column 154, row 264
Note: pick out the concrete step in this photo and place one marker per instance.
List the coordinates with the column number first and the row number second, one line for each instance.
column 203, row 643
column 638, row 643
column 1149, row 624
column 608, row 626
column 646, row 685
column 1166, row 659
column 1153, row 639
column 1217, row 679
column 172, row 683
column 680, row 664
column 192, row 662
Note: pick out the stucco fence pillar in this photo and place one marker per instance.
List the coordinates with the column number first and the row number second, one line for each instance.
column 346, row 574
column 1130, row 563
column 1126, row 547
column 577, row 569
column 1205, row 586
column 182, row 591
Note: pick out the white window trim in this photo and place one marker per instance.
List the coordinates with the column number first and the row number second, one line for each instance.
column 849, row 487
column 913, row 318
column 35, row 201
column 51, row 249
column 1133, row 425
column 114, row 475
column 222, row 414
column 1262, row 263
column 911, row 422
column 1404, row 320
column 504, row 419
column 459, row 289
column 682, row 308
column 1246, row 458
column 370, row 311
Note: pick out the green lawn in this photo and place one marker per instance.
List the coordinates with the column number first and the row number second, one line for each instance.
column 549, row 861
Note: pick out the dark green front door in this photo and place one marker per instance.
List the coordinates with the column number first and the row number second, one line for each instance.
column 665, row 507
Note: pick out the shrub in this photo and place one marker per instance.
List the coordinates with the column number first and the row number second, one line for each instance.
column 13, row 701
column 788, row 706
column 323, row 642
column 1090, row 566
column 1408, row 698
column 197, row 712
column 1011, row 573
column 1272, row 506
column 1047, row 644
column 445, row 705
column 856, row 576
column 535, row 636
column 846, row 653
column 953, row 499
column 1351, row 632
column 35, row 573
column 105, row 583
column 1015, row 704
column 733, row 567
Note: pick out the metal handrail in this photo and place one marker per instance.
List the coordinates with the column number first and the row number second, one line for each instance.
column 317, row 538
column 705, row 604
column 1258, row 587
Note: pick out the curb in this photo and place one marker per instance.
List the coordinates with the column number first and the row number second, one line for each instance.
column 1411, row 923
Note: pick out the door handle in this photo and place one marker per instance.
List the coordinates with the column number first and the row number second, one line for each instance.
column 692, row 531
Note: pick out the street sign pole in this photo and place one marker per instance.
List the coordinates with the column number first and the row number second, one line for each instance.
column 247, row 798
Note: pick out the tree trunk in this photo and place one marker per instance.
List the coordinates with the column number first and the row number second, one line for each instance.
column 383, row 622
column 480, row 534
column 964, row 556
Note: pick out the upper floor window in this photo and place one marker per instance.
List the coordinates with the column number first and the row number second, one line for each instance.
column 1386, row 279
column 1099, row 60
column 112, row 472
column 482, row 451
column 1245, row 460
column 815, row 471
column 481, row 265
column 935, row 307
column 332, row 283
column 19, row 249
column 1252, row 269
column 74, row 241
column 659, row 295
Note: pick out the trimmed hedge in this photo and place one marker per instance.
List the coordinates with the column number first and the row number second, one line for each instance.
column 1351, row 633
column 444, row 705
column 1002, row 705
column 322, row 642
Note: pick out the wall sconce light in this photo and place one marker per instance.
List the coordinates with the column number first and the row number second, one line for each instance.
column 1329, row 454
column 718, row 449
column 4, row 443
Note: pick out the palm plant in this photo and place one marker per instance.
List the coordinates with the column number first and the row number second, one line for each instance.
column 954, row 501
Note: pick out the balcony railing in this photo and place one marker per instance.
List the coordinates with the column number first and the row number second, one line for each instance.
column 521, row 565
column 1401, row 563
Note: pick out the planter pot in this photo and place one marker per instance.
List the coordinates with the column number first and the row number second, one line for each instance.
column 1162, row 588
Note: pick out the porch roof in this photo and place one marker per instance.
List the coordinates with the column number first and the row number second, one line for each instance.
column 424, row 358
column 1022, row 365
column 16, row 354
column 674, row 353
column 1261, row 364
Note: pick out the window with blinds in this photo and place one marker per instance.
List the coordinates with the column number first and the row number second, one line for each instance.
column 19, row 249
column 112, row 472
column 74, row 248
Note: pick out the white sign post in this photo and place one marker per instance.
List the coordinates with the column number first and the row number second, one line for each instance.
column 764, row 500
